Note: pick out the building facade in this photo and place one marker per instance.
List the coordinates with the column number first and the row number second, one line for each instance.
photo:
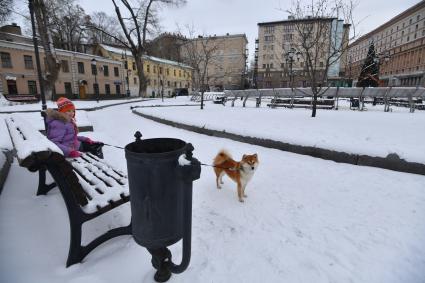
column 274, row 67
column 402, row 41
column 78, row 76
column 163, row 76
column 227, row 67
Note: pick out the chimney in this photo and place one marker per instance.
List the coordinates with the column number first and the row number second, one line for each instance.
column 13, row 28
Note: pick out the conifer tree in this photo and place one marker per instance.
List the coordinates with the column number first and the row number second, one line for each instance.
column 369, row 76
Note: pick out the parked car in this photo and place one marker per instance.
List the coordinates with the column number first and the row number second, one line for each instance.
column 180, row 92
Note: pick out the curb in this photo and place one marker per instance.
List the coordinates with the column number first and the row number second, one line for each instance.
column 82, row 109
column 4, row 170
column 391, row 162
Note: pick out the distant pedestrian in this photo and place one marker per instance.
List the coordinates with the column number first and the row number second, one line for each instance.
column 63, row 131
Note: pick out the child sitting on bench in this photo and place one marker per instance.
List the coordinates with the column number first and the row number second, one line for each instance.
column 63, row 131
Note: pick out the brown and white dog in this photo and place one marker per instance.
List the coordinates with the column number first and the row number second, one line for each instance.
column 240, row 172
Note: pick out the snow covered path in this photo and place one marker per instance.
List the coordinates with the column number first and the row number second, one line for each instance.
column 305, row 220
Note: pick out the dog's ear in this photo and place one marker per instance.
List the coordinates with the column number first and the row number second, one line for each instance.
column 244, row 156
column 255, row 155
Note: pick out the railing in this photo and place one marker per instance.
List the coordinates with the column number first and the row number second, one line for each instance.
column 413, row 97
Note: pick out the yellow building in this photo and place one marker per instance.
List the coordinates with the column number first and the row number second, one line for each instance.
column 163, row 76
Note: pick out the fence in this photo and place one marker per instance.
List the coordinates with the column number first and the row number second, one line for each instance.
column 411, row 97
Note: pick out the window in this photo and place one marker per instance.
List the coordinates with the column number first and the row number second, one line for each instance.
column 117, row 89
column 28, row 62
column 180, row 73
column 174, row 72
column 93, row 69
column 135, row 80
column 168, row 72
column 160, row 70
column 105, row 70
column 81, row 67
column 269, row 38
column 116, row 72
column 65, row 66
column 32, row 87
column 154, row 69
column 68, row 88
column 134, row 66
column 269, row 29
column 6, row 61
column 148, row 69
column 107, row 89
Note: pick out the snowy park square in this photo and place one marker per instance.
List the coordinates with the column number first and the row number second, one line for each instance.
column 304, row 220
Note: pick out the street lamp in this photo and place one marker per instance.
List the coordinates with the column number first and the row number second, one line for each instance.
column 381, row 59
column 124, row 57
column 37, row 61
column 290, row 58
column 94, row 70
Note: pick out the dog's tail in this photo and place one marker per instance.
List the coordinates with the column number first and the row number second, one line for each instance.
column 222, row 157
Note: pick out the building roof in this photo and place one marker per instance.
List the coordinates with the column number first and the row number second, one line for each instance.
column 296, row 20
column 200, row 37
column 126, row 51
column 30, row 47
column 390, row 22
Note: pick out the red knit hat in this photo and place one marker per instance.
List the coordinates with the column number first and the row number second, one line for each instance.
column 65, row 105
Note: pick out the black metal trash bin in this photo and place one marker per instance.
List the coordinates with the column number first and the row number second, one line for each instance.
column 161, row 198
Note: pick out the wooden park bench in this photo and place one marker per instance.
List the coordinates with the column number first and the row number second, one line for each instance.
column 22, row 98
column 301, row 103
column 89, row 185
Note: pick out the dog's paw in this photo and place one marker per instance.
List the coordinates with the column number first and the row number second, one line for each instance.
column 221, row 182
column 245, row 195
column 241, row 200
column 218, row 187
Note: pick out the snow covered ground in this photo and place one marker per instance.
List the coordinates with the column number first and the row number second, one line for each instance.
column 305, row 219
column 371, row 132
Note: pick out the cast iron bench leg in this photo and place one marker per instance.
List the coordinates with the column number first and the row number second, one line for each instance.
column 43, row 188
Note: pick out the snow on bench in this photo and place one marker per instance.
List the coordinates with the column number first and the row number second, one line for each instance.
column 89, row 185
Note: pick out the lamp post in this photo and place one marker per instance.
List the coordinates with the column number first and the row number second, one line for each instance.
column 378, row 59
column 124, row 58
column 37, row 61
column 290, row 58
column 94, row 70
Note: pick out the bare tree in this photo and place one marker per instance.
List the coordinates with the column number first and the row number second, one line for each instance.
column 5, row 9
column 321, row 40
column 138, row 20
column 66, row 23
column 104, row 22
column 52, row 64
column 201, row 54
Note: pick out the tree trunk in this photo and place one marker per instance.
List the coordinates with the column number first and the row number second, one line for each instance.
column 313, row 112
column 140, row 75
column 51, row 63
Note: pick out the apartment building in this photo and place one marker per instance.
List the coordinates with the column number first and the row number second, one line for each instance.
column 227, row 64
column 402, row 41
column 227, row 67
column 163, row 76
column 78, row 76
column 275, row 68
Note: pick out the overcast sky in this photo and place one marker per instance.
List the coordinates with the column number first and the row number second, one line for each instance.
column 219, row 17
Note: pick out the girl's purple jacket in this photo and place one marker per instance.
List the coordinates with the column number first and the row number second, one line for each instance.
column 61, row 131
